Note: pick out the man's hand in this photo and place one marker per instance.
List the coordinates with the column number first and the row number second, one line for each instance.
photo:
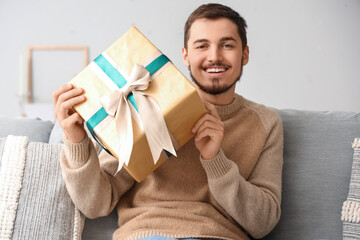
column 64, row 98
column 209, row 131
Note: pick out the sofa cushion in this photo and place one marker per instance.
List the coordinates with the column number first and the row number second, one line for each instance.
column 36, row 129
column 101, row 228
column 33, row 190
column 316, row 172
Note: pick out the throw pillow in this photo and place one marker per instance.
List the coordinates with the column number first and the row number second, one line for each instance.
column 56, row 133
column 34, row 203
column 351, row 207
column 36, row 129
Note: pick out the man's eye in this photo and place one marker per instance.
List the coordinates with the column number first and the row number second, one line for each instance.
column 228, row 46
column 201, row 47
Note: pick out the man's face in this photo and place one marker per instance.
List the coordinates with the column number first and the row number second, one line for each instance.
column 214, row 55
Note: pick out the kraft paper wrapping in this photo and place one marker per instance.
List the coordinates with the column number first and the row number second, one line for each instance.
column 176, row 96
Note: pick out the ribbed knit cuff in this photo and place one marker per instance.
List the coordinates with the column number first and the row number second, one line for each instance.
column 77, row 154
column 217, row 166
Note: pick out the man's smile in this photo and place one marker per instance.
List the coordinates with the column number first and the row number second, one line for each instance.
column 216, row 69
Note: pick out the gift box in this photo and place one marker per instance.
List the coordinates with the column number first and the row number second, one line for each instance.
column 109, row 82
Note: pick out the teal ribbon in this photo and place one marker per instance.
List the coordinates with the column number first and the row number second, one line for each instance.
column 115, row 76
column 120, row 81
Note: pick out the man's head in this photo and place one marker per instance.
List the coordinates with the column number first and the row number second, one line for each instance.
column 215, row 11
column 215, row 49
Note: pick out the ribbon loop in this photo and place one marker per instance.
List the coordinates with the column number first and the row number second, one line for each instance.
column 111, row 101
column 140, row 77
column 117, row 105
column 127, row 89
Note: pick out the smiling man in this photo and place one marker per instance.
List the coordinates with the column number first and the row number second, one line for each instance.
column 240, row 142
column 223, row 184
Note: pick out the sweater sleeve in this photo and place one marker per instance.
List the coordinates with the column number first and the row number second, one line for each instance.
column 90, row 178
column 254, row 203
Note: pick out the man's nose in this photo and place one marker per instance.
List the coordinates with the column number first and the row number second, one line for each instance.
column 215, row 54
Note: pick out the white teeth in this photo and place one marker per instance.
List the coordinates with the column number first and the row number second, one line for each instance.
column 215, row 70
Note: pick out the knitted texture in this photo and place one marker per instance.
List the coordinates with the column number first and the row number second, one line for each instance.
column 42, row 208
column 12, row 171
column 79, row 222
column 351, row 207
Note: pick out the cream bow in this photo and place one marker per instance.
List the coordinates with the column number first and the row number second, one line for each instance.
column 116, row 104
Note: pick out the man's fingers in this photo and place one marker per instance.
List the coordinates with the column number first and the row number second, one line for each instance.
column 60, row 111
column 207, row 132
column 210, row 125
column 212, row 109
column 72, row 102
column 212, row 115
column 73, row 119
column 70, row 94
column 66, row 108
column 59, row 91
column 207, row 117
column 209, row 129
column 56, row 94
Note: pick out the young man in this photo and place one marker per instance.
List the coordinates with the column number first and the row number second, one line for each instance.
column 224, row 184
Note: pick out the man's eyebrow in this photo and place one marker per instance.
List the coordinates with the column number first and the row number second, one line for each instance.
column 227, row 39
column 224, row 39
column 201, row 40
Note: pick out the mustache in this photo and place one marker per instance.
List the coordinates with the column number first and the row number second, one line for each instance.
column 217, row 64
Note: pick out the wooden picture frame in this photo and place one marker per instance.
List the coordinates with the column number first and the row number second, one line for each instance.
column 30, row 50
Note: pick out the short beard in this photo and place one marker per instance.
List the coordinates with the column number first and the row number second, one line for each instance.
column 216, row 88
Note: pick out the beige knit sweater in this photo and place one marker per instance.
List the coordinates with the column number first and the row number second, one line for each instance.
column 235, row 194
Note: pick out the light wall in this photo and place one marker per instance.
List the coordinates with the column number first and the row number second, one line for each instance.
column 303, row 54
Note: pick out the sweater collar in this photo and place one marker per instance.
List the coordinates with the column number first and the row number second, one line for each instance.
column 235, row 105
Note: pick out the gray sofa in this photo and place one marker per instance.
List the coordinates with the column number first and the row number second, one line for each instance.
column 318, row 159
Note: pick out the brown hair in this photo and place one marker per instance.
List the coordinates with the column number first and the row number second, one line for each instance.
column 215, row 11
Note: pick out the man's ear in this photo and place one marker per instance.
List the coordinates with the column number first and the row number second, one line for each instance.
column 185, row 57
column 245, row 56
